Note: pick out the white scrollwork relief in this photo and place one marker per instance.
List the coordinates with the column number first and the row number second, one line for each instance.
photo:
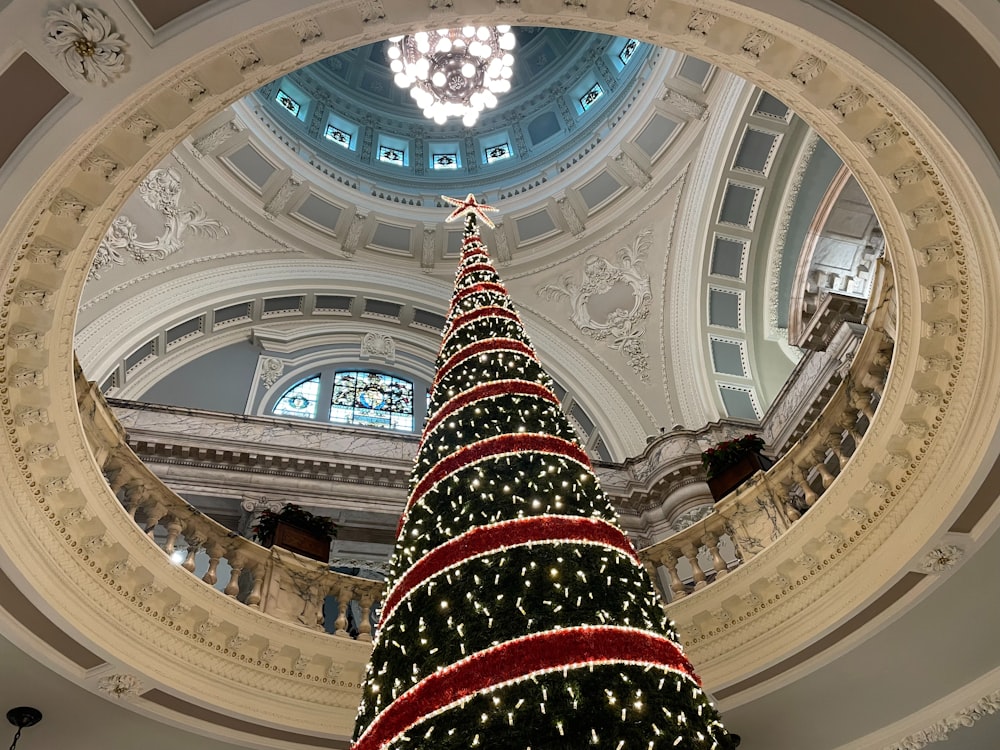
column 380, row 345
column 85, row 41
column 939, row 731
column 622, row 329
column 161, row 191
column 270, row 370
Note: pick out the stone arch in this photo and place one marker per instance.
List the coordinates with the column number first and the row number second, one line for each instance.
column 925, row 191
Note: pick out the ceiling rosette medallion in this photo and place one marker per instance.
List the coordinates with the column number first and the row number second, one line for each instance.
column 85, row 41
column 618, row 292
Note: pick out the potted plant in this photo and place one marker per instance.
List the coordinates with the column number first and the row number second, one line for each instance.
column 296, row 530
column 732, row 462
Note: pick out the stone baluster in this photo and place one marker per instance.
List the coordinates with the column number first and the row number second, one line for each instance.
column 800, row 479
column 835, row 442
column 861, row 400
column 215, row 552
column 819, row 459
column 711, row 541
column 344, row 597
column 174, row 528
column 134, row 496
column 195, row 540
column 849, row 422
column 786, row 511
column 365, row 626
column 691, row 553
column 677, row 587
column 236, row 563
column 154, row 514
column 256, row 589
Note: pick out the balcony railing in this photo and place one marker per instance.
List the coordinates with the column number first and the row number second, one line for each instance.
column 274, row 581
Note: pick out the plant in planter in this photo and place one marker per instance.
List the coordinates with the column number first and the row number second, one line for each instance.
column 296, row 530
column 732, row 462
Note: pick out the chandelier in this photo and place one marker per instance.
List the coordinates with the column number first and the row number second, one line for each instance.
column 454, row 72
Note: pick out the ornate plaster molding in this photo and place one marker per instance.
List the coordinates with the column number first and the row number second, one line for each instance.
column 161, row 191
column 85, row 41
column 623, row 329
column 939, row 730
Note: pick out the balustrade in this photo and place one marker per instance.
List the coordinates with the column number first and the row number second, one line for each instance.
column 274, row 581
column 754, row 516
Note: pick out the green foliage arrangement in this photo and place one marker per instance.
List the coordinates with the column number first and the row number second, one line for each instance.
column 729, row 452
column 296, row 516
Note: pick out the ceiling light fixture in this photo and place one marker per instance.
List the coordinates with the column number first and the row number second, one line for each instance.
column 21, row 717
column 454, row 72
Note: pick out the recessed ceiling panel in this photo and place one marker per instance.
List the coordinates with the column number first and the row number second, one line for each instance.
column 770, row 106
column 31, row 93
column 332, row 303
column 392, row 238
column 738, row 205
column 252, row 165
column 727, row 257
column 543, row 127
column 535, row 226
column 727, row 357
column 694, row 70
column 724, row 308
column 655, row 135
column 318, row 211
column 756, row 151
column 599, row 190
column 453, row 245
column 739, row 402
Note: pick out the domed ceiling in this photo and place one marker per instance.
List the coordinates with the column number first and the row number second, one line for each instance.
column 651, row 214
column 351, row 119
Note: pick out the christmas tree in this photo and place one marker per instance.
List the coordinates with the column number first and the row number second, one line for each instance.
column 517, row 613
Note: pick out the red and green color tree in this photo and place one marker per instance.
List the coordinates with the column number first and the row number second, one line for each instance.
column 517, row 614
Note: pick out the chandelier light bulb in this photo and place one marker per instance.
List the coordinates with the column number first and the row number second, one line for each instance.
column 453, row 72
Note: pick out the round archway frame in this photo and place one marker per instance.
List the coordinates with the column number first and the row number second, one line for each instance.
column 920, row 462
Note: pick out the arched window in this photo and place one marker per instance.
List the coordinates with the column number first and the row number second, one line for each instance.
column 301, row 400
column 371, row 399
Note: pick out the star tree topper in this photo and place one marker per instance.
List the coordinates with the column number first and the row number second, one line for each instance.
column 470, row 206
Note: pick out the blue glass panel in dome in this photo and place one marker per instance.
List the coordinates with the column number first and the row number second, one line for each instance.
column 287, row 102
column 628, row 50
column 370, row 399
column 594, row 93
column 300, row 400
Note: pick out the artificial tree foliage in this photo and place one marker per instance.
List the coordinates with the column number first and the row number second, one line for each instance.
column 517, row 613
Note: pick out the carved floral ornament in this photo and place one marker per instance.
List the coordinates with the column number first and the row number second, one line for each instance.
column 622, row 329
column 161, row 191
column 85, row 41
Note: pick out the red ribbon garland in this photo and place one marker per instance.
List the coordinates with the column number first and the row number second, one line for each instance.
column 482, row 286
column 494, row 447
column 473, row 269
column 489, row 390
column 480, row 347
column 570, row 648
column 487, row 311
column 484, row 539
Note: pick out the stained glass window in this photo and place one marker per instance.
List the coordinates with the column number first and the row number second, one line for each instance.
column 594, row 93
column 497, row 152
column 371, row 399
column 628, row 50
column 391, row 155
column 445, row 161
column 337, row 135
column 287, row 102
column 300, row 400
